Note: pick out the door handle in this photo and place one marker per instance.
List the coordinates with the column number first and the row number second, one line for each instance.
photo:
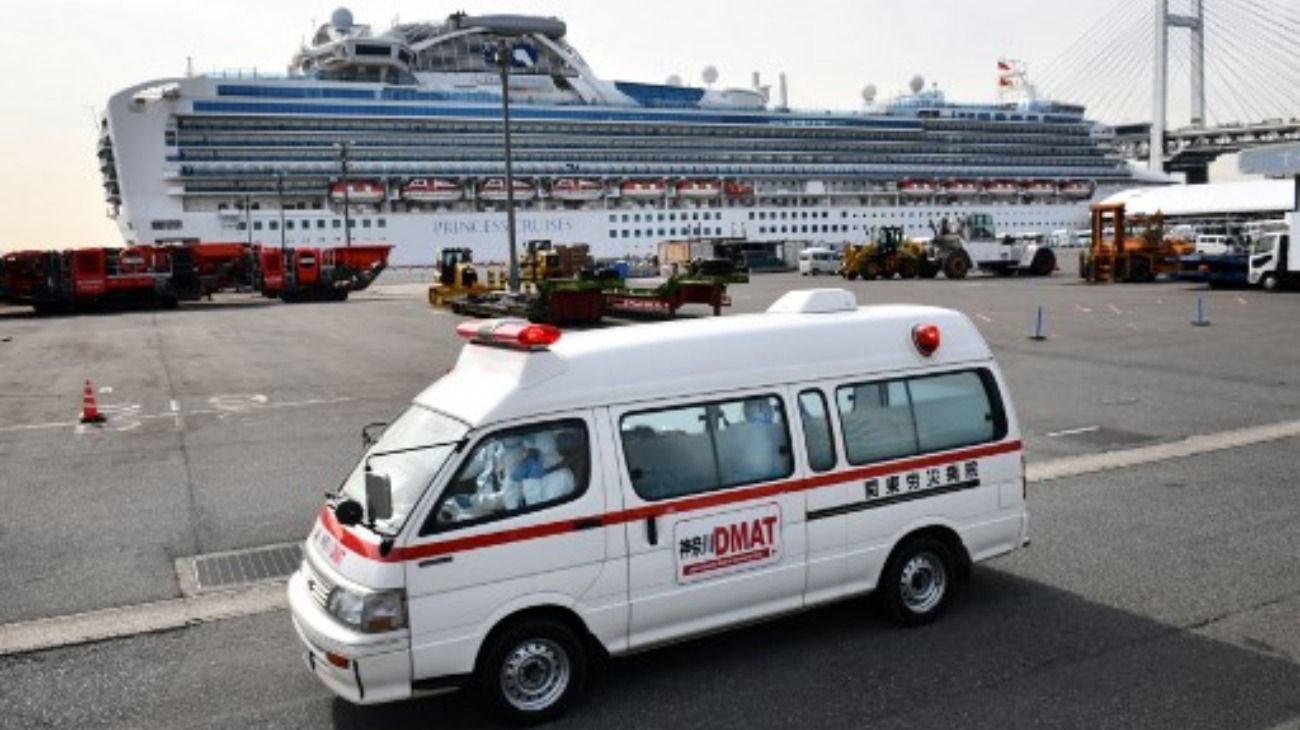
column 652, row 530
column 440, row 560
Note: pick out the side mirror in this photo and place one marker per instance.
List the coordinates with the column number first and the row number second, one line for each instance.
column 379, row 496
column 371, row 432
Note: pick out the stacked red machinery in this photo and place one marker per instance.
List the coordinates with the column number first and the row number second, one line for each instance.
column 162, row 276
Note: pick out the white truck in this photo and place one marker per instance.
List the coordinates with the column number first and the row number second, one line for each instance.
column 1274, row 264
column 1004, row 256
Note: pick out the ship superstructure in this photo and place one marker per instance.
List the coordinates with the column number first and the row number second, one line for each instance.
column 403, row 130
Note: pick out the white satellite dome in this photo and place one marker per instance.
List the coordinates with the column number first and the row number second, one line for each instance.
column 916, row 84
column 674, row 80
column 710, row 74
column 869, row 93
column 341, row 19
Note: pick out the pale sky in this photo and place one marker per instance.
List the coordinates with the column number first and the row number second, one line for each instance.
column 63, row 58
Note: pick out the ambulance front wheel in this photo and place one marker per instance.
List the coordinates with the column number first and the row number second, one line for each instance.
column 917, row 581
column 532, row 671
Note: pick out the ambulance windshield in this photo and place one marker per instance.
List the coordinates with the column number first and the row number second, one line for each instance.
column 410, row 452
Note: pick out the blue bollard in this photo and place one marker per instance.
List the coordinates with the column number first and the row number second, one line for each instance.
column 1039, row 332
column 1200, row 320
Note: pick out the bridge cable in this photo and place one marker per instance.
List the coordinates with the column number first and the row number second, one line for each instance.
column 1239, row 61
column 1076, row 63
column 1269, row 83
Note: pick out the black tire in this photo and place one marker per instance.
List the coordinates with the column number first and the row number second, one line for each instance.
column 871, row 271
column 1270, row 283
column 929, row 270
column 1085, row 269
column 532, row 651
column 851, row 275
column 917, row 581
column 956, row 265
column 908, row 268
column 1139, row 271
column 1043, row 264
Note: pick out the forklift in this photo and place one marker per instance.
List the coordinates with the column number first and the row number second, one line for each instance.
column 457, row 277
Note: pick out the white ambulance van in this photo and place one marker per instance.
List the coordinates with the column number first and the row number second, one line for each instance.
column 554, row 499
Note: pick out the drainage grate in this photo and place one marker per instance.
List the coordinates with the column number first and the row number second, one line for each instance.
column 223, row 570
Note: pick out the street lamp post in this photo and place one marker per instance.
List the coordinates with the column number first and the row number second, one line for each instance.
column 248, row 217
column 279, row 195
column 504, row 51
column 347, row 204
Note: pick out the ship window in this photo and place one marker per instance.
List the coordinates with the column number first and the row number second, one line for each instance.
column 288, row 225
column 257, row 225
column 243, row 226
column 336, row 222
column 625, row 217
column 613, row 234
column 365, row 223
column 382, row 222
column 275, row 225
column 320, row 223
column 613, row 219
column 352, row 223
column 661, row 231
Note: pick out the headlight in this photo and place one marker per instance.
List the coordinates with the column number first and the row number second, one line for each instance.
column 370, row 613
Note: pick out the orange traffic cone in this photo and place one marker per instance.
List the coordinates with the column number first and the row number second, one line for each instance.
column 89, row 412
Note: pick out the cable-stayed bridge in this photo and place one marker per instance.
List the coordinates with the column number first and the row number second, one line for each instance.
column 1193, row 78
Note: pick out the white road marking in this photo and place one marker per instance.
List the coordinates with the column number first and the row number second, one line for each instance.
column 37, row 426
column 1242, row 300
column 126, row 621
column 1114, row 308
column 1072, row 431
column 175, row 407
column 984, row 317
column 1081, row 308
column 1071, row 466
column 105, row 389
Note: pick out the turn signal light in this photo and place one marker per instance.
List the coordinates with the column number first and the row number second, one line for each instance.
column 341, row 662
column 517, row 333
column 926, row 338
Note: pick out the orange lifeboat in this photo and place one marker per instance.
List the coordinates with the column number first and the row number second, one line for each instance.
column 915, row 188
column 699, row 189
column 358, row 191
column 736, row 189
column 643, row 189
column 495, row 189
column 1078, row 189
column 577, row 189
column 963, row 189
column 1040, row 188
column 1002, row 189
column 431, row 190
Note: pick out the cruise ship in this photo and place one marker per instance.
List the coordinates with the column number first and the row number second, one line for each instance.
column 397, row 136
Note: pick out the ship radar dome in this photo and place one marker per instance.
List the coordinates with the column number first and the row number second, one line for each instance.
column 341, row 19
column 710, row 74
column 674, row 80
column 869, row 93
column 917, row 83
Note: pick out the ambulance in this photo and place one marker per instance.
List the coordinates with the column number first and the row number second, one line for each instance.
column 556, row 500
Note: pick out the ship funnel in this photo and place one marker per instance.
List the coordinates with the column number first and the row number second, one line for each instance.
column 783, row 98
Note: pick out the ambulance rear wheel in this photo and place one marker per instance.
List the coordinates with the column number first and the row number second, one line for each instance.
column 532, row 671
column 917, row 581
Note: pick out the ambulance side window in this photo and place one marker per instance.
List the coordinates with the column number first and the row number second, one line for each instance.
column 876, row 421
column 817, row 430
column 953, row 410
column 897, row 418
column 515, row 471
column 708, row 446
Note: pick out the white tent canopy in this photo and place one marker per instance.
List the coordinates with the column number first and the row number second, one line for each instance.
column 1248, row 197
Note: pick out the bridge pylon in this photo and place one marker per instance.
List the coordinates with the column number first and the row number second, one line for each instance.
column 1194, row 21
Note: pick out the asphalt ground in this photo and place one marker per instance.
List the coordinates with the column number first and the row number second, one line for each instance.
column 1164, row 595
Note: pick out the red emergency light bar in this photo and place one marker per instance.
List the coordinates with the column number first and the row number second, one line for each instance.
column 517, row 333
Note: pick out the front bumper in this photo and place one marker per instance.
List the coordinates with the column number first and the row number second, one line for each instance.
column 378, row 666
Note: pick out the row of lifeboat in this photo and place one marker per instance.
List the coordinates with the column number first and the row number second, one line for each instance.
column 574, row 189
column 440, row 190
column 1078, row 189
